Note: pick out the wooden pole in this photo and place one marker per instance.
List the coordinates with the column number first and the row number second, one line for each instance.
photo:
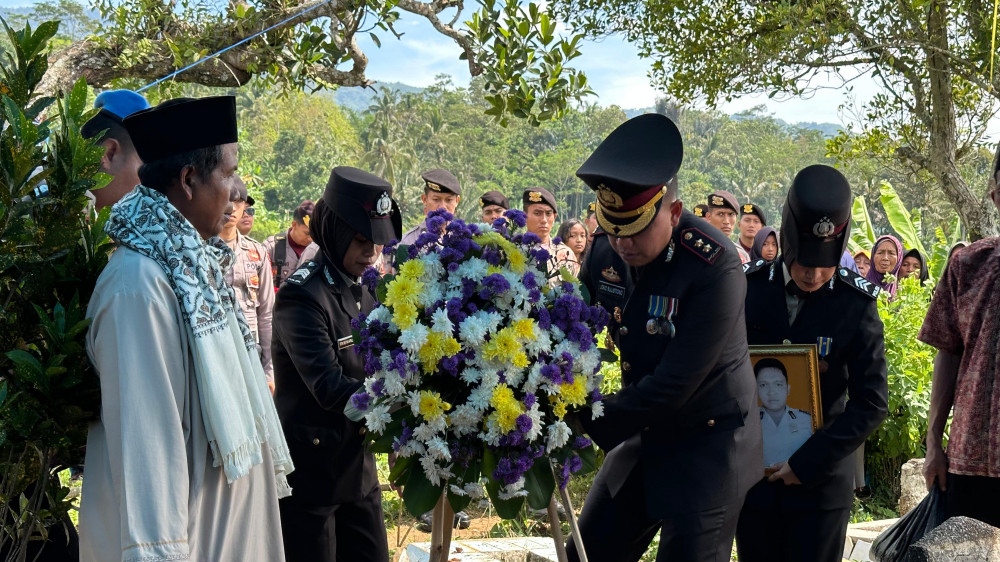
column 574, row 528
column 442, row 522
column 556, row 528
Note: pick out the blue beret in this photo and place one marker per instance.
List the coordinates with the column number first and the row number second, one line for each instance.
column 120, row 103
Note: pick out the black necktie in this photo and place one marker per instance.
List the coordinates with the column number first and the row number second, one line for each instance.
column 356, row 292
column 795, row 291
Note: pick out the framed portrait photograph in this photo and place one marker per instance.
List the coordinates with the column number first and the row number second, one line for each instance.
column 788, row 395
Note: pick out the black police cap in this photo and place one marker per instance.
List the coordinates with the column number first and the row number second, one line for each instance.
column 365, row 201
column 816, row 217
column 493, row 198
column 538, row 195
column 442, row 181
column 751, row 209
column 630, row 171
column 182, row 125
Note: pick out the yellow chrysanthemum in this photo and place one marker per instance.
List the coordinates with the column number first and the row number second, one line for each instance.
column 432, row 406
column 502, row 346
column 404, row 315
column 412, row 269
column 525, row 328
column 520, row 360
column 507, row 408
column 515, row 257
column 574, row 393
column 403, row 290
column 437, row 347
column 559, row 409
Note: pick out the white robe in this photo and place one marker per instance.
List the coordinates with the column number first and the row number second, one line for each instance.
column 150, row 491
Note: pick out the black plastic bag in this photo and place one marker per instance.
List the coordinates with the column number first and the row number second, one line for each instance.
column 891, row 545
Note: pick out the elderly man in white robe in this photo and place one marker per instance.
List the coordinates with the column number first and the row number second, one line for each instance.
column 188, row 459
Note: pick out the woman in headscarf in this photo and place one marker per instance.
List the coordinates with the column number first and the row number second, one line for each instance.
column 863, row 261
column 765, row 245
column 914, row 264
column 887, row 255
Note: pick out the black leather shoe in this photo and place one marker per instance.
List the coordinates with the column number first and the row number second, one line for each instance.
column 425, row 521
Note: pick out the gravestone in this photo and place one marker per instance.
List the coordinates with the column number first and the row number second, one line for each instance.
column 959, row 539
column 912, row 486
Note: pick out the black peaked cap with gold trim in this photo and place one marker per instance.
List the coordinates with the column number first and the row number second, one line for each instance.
column 442, row 181
column 816, row 217
column 365, row 202
column 630, row 171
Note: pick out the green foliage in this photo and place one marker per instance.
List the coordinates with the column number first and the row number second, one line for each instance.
column 53, row 250
column 901, row 436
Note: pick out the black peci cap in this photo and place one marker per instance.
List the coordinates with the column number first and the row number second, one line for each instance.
column 751, row 209
column 630, row 171
column 442, row 181
column 365, row 202
column 538, row 195
column 182, row 125
column 493, row 198
column 816, row 218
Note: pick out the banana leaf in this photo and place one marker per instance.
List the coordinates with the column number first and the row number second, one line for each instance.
column 900, row 218
column 862, row 234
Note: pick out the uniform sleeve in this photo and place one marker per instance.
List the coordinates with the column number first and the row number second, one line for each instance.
column 136, row 349
column 265, row 308
column 940, row 329
column 301, row 325
column 867, row 405
column 715, row 310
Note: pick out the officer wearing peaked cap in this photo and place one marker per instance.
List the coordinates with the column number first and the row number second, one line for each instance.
column 442, row 190
column 800, row 511
column 683, row 435
column 336, row 510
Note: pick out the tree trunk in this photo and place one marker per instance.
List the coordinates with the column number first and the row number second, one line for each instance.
column 978, row 216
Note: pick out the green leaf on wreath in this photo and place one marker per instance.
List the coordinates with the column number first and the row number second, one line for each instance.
column 383, row 287
column 608, row 355
column 506, row 509
column 585, row 294
column 402, row 255
column 383, row 443
column 468, row 476
column 589, row 457
column 400, row 470
column 540, row 484
column 458, row 503
column 419, row 495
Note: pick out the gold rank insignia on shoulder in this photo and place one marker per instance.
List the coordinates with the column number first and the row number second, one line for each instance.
column 702, row 245
column 747, row 208
column 434, row 186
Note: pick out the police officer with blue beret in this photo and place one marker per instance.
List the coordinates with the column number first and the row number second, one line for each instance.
column 335, row 512
column 683, row 434
column 800, row 511
column 107, row 129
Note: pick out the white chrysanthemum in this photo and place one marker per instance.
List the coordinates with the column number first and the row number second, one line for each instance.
column 536, row 423
column 471, row 375
column 513, row 376
column 433, row 269
column 588, row 362
column 440, row 322
column 558, row 435
column 474, row 269
column 480, row 397
column 493, row 320
column 411, row 448
column 489, row 380
column 380, row 314
column 394, row 385
column 457, row 490
column 474, row 490
column 465, row 419
column 434, row 472
column 377, row 418
column 541, row 344
column 514, row 490
column 596, row 410
column 438, row 449
column 414, row 337
column 534, row 378
column 472, row 330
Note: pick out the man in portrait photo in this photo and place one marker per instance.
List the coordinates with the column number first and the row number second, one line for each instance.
column 784, row 429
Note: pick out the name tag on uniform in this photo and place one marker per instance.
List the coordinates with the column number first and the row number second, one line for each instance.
column 610, row 289
column 344, row 343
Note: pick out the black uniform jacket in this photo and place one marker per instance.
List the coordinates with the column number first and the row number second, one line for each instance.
column 604, row 274
column 845, row 310
column 316, row 370
column 691, row 397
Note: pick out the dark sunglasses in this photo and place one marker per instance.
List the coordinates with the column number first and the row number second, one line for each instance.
column 249, row 211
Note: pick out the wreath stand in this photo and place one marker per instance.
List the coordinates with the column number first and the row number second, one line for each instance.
column 443, row 521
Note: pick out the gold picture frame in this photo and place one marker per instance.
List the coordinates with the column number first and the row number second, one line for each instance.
column 794, row 404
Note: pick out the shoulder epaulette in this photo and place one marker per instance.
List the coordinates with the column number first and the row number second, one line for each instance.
column 752, row 266
column 254, row 241
column 702, row 245
column 858, row 282
column 302, row 274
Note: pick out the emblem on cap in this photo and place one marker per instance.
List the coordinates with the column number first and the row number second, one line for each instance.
column 434, row 186
column 609, row 198
column 716, row 200
column 747, row 208
column 384, row 205
column 535, row 196
column 824, row 228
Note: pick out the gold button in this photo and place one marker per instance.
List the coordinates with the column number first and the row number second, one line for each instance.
column 711, row 423
column 623, row 331
column 316, row 441
column 361, row 431
column 626, row 366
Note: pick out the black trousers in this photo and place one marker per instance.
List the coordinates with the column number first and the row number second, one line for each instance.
column 616, row 527
column 977, row 497
column 347, row 532
column 775, row 535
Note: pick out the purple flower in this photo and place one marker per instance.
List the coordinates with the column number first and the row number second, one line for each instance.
column 436, row 225
column 517, row 217
column 453, row 267
column 378, row 387
column 582, row 442
column 572, row 465
column 557, row 240
column 443, row 213
column 403, row 438
column 370, row 278
column 361, row 401
column 493, row 285
column 529, row 400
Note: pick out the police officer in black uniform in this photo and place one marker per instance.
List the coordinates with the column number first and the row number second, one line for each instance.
column 603, row 274
column 683, row 434
column 335, row 512
column 800, row 511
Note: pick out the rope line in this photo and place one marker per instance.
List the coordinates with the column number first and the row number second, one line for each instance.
column 234, row 45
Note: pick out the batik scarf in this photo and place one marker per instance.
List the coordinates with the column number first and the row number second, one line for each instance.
column 237, row 409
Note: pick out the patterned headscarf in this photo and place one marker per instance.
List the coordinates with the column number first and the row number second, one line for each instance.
column 874, row 276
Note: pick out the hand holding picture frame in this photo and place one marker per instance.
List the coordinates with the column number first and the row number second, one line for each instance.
column 788, row 393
